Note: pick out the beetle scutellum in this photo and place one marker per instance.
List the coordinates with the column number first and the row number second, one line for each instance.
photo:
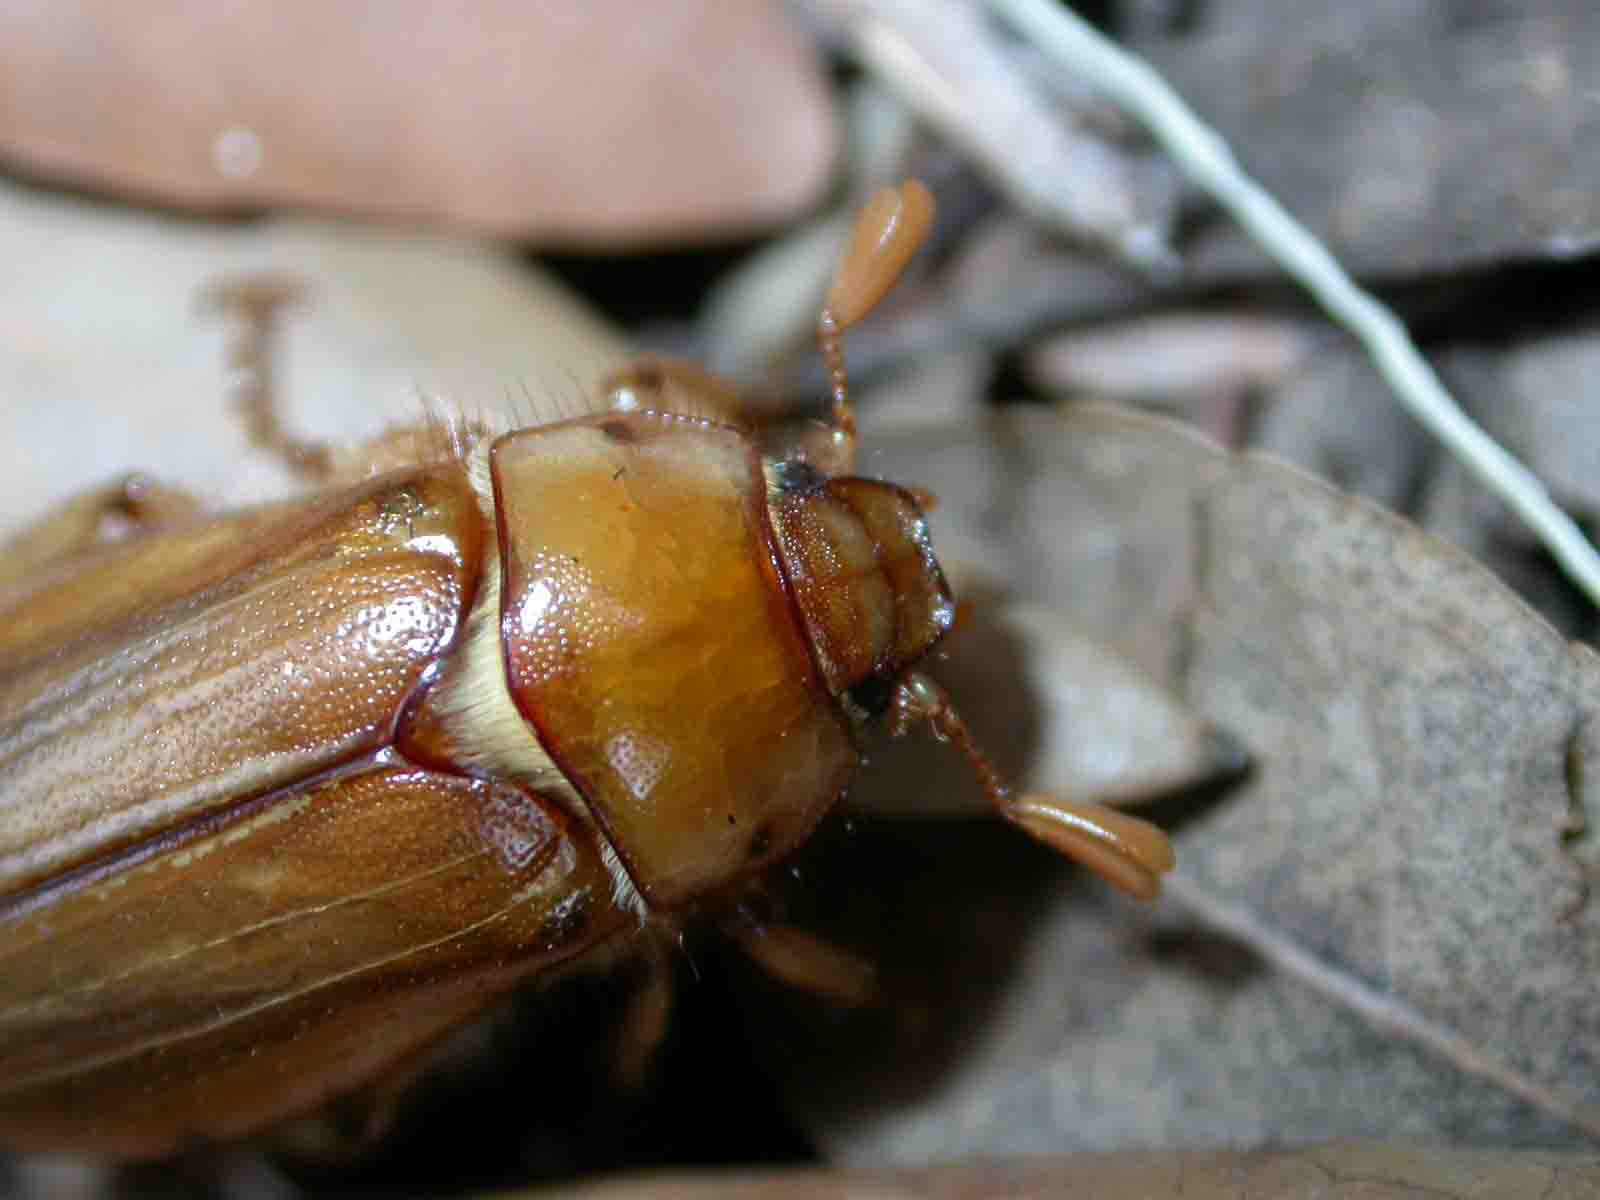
column 287, row 794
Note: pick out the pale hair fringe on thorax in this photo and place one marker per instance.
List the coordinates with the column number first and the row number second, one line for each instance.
column 475, row 705
column 482, row 719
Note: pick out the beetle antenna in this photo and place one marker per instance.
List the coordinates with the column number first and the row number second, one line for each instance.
column 842, row 414
column 1129, row 853
column 890, row 229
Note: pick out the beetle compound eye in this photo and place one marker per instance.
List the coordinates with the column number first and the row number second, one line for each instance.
column 795, row 475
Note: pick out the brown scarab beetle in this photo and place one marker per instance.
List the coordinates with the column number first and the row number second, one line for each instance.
column 288, row 794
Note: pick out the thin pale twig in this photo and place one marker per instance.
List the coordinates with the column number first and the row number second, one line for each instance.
column 963, row 77
column 1381, row 1009
column 1205, row 157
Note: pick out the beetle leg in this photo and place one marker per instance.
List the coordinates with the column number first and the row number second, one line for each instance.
column 647, row 1018
column 346, row 1126
column 90, row 519
column 801, row 959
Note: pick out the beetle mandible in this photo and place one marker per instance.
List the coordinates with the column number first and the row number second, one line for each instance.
column 290, row 793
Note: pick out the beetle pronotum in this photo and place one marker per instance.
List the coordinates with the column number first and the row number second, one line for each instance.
column 291, row 792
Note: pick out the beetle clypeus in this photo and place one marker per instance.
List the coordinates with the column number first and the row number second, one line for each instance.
column 291, row 792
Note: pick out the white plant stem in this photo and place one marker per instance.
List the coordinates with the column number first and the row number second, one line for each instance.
column 1131, row 83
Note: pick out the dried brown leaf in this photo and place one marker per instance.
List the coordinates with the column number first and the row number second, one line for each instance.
column 1408, row 136
column 1181, row 357
column 1387, row 932
column 1349, row 1171
column 1339, row 419
column 571, row 123
column 1542, row 405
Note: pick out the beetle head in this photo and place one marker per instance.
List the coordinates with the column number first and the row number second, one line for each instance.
column 862, row 573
